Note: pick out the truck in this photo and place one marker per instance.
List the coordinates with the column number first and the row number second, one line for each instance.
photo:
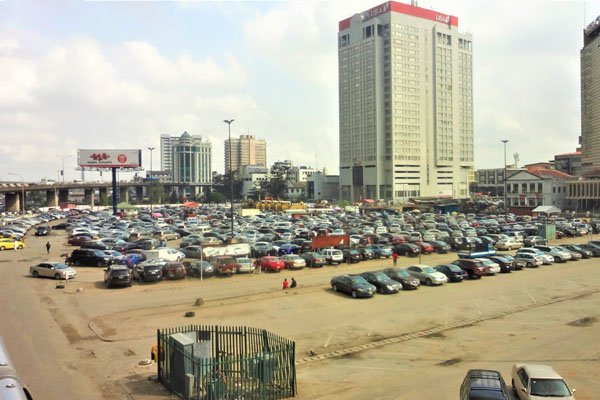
column 478, row 251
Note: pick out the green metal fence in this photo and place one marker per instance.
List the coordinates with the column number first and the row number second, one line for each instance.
column 226, row 363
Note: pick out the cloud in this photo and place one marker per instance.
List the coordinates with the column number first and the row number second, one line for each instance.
column 82, row 94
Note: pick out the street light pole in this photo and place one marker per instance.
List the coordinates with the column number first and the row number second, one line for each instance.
column 62, row 171
column 504, row 141
column 228, row 122
column 22, row 191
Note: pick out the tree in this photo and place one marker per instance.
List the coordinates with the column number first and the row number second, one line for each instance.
column 276, row 185
column 156, row 192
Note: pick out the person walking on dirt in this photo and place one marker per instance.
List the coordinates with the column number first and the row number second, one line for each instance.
column 294, row 284
column 16, row 244
column 48, row 245
column 286, row 284
column 395, row 258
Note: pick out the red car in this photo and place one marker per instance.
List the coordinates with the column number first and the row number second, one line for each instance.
column 270, row 263
column 426, row 248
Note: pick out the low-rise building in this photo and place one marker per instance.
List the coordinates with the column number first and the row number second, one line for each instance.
column 321, row 186
column 537, row 186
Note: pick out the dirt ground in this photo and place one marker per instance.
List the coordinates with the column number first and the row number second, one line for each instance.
column 85, row 341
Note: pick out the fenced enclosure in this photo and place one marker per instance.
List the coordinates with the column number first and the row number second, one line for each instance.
column 226, row 363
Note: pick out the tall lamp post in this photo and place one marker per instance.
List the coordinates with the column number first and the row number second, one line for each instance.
column 62, row 171
column 22, row 191
column 228, row 122
column 151, row 181
column 504, row 141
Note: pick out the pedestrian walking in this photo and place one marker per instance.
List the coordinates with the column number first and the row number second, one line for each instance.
column 293, row 284
column 286, row 284
column 395, row 258
column 48, row 245
column 16, row 244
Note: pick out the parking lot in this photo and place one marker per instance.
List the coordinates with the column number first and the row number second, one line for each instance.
column 416, row 344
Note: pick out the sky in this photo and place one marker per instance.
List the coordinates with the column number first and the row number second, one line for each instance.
column 118, row 74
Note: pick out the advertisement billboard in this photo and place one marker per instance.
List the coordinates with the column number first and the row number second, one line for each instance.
column 109, row 158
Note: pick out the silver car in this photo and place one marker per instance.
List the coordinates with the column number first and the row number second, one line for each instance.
column 492, row 267
column 528, row 260
column 427, row 275
column 49, row 269
column 547, row 259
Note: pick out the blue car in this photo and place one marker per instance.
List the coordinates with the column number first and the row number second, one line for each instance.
column 380, row 251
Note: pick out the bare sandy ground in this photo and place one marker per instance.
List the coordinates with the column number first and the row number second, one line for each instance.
column 85, row 341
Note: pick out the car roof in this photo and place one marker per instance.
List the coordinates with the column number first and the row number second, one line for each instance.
column 540, row 371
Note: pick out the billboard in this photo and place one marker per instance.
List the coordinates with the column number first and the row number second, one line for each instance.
column 109, row 158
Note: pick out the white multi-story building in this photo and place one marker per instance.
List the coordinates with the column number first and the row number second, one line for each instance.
column 187, row 157
column 251, row 177
column 405, row 104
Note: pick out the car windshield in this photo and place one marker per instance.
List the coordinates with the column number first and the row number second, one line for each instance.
column 401, row 272
column 358, row 280
column 380, row 276
column 59, row 266
column 244, row 260
column 549, row 388
column 428, row 270
column 454, row 268
column 574, row 247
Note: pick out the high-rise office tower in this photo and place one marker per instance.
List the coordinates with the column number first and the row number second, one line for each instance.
column 187, row 157
column 405, row 104
column 245, row 150
column 590, row 101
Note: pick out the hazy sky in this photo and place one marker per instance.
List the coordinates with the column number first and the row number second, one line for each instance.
column 116, row 74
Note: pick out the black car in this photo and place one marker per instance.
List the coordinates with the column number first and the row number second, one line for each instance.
column 505, row 264
column 365, row 252
column 117, row 275
column 383, row 283
column 585, row 253
column 261, row 249
column 147, row 273
column 407, row 249
column 354, row 285
column 199, row 269
column 351, row 256
column 95, row 244
column 42, row 230
column 90, row 257
column 591, row 247
column 440, row 247
column 453, row 272
column 401, row 275
column 483, row 384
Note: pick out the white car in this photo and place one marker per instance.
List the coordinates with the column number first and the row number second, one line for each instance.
column 559, row 255
column 333, row 256
column 547, row 259
column 493, row 267
column 537, row 382
column 49, row 269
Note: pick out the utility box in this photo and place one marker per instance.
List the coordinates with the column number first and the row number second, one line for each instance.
column 547, row 231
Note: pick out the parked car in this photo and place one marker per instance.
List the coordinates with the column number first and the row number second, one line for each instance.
column 10, row 244
column 591, row 247
column 403, row 277
column 261, row 249
column 425, row 247
column 472, row 266
column 192, row 251
column 453, row 272
column 383, row 283
column 333, row 256
column 482, row 384
column 42, row 230
column 224, row 265
column 532, row 381
column 313, row 259
column 547, row 259
column 90, row 257
column 244, row 265
column 559, row 255
column 380, row 251
column 365, row 252
column 354, row 285
column 117, row 275
column 147, row 272
column 49, row 269
column 531, row 241
column 407, row 249
column 174, row 270
column 585, row 253
column 198, row 269
column 529, row 260
column 270, row 263
column 505, row 264
column 293, row 261
column 509, row 243
column 575, row 255
column 440, row 247
column 351, row 255
column 427, row 275
column 491, row 267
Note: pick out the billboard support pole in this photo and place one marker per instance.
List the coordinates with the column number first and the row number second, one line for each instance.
column 114, row 190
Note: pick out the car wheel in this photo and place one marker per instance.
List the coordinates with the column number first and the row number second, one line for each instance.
column 108, row 285
column 20, row 246
column 556, row 259
column 354, row 295
column 335, row 288
column 57, row 277
column 76, row 263
column 380, row 290
column 529, row 265
column 428, row 282
column 35, row 274
column 1, row 248
column 100, row 264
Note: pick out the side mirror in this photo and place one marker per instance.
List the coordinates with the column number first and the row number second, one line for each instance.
column 524, row 390
column 573, row 391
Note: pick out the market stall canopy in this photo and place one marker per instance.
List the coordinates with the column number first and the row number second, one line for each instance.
column 191, row 204
column 546, row 210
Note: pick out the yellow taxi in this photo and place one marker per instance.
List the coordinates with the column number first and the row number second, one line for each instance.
column 9, row 244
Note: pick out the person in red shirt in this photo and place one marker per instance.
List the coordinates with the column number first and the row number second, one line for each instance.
column 286, row 284
column 395, row 258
